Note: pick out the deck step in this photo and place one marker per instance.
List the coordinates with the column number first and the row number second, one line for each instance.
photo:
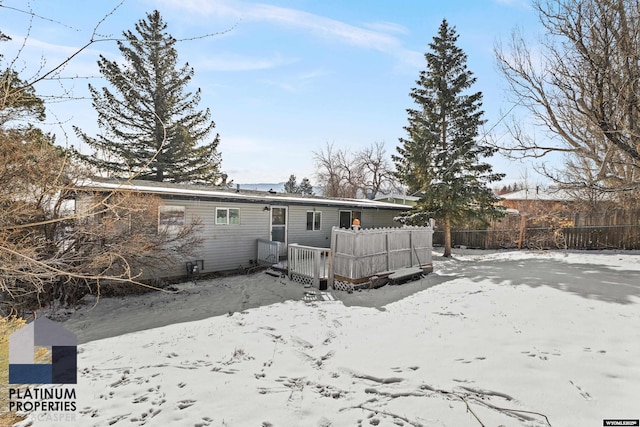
column 273, row 273
column 405, row 274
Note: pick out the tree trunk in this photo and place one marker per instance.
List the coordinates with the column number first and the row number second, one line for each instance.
column 447, row 237
column 523, row 228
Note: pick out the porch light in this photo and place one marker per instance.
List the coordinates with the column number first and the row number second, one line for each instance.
column 266, row 209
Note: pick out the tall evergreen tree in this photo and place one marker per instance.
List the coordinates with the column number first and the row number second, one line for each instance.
column 305, row 188
column 18, row 99
column 151, row 127
column 440, row 159
column 291, row 186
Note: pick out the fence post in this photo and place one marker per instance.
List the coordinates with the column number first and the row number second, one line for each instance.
column 411, row 248
column 330, row 270
column 290, row 260
column 386, row 236
column 333, row 247
column 316, row 269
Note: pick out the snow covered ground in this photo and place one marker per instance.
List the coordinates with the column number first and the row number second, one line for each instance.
column 490, row 338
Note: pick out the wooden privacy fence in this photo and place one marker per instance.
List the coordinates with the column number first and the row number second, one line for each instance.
column 621, row 217
column 361, row 254
column 585, row 237
column 603, row 237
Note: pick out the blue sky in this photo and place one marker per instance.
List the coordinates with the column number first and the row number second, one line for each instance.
column 288, row 77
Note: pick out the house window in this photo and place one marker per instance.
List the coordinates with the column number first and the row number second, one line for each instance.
column 227, row 216
column 347, row 217
column 170, row 218
column 314, row 220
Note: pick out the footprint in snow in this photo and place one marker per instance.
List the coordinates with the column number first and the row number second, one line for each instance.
column 330, row 336
column 275, row 337
column 324, row 422
column 582, row 392
column 206, row 421
column 398, row 369
column 317, row 362
column 184, row 404
column 302, row 343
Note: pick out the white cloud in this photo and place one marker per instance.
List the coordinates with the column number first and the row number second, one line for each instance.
column 218, row 8
column 376, row 38
column 314, row 74
column 322, row 26
column 298, row 82
column 40, row 57
column 387, row 27
column 232, row 62
column 514, row 3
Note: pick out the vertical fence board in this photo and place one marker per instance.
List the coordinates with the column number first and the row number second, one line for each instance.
column 581, row 237
column 372, row 251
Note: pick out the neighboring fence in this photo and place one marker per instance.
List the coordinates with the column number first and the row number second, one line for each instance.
column 358, row 255
column 309, row 265
column 585, row 237
column 268, row 252
column 619, row 217
column 603, row 237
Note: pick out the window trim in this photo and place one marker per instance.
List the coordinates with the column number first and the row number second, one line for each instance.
column 227, row 217
column 313, row 220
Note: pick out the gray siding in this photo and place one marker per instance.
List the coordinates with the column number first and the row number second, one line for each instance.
column 298, row 232
column 377, row 218
column 229, row 246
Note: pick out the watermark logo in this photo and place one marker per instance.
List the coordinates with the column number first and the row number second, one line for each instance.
column 62, row 344
column 621, row 422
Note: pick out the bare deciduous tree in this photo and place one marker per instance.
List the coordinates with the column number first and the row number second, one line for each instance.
column 378, row 176
column 584, row 91
column 49, row 250
column 342, row 173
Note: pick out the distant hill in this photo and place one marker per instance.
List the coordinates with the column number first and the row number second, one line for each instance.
column 277, row 187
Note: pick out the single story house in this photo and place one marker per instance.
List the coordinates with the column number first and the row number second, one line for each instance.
column 234, row 220
column 402, row 199
column 538, row 199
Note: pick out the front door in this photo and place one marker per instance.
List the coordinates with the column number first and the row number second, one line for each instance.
column 279, row 227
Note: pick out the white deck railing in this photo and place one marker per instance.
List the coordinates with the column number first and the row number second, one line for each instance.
column 268, row 252
column 309, row 264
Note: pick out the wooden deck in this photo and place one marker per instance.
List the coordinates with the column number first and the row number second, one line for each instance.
column 368, row 258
